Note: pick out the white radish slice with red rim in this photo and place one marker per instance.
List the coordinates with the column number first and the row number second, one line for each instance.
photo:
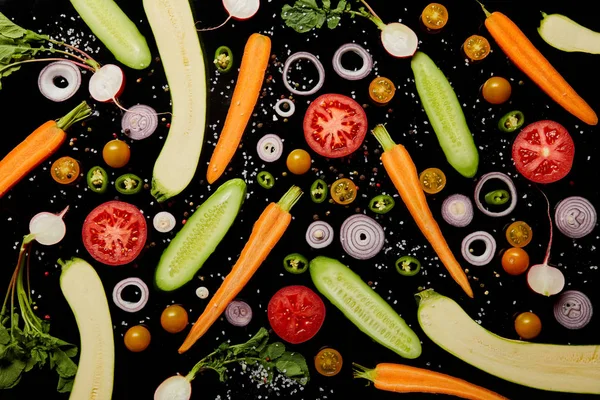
column 59, row 81
column 48, row 228
column 107, row 83
column 399, row 40
column 241, row 9
column 174, row 388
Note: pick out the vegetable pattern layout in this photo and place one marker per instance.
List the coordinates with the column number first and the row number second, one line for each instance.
column 303, row 196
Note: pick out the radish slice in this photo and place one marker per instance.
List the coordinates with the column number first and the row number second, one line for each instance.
column 241, row 9
column 52, row 74
column 174, row 388
column 48, row 228
column 546, row 280
column 107, row 83
column 399, row 40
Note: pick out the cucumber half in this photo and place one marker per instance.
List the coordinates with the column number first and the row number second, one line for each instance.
column 567, row 35
column 200, row 236
column 363, row 306
column 445, row 115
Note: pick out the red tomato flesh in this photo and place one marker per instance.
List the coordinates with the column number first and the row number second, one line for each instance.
column 335, row 125
column 543, row 152
column 114, row 233
column 296, row 313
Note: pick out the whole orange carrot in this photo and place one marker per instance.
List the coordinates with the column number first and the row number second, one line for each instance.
column 405, row 379
column 528, row 59
column 267, row 231
column 245, row 95
column 403, row 173
column 37, row 147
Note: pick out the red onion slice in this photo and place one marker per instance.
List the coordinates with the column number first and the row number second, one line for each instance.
column 283, row 113
column 127, row 305
column 575, row 217
column 59, row 69
column 457, row 210
column 238, row 313
column 511, row 187
column 363, row 72
column 319, row 234
column 270, row 148
column 306, row 56
column 139, row 122
column 573, row 309
column 488, row 254
column 361, row 237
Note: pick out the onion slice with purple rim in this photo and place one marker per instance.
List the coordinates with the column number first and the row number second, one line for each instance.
column 319, row 234
column 127, row 305
column 48, row 228
column 511, row 187
column 573, row 309
column 238, row 313
column 283, row 113
column 56, row 70
column 363, row 72
column 139, row 122
column 270, row 148
column 488, row 254
column 457, row 210
column 306, row 56
column 575, row 217
column 362, row 237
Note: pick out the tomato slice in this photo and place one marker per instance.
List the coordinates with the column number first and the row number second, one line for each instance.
column 296, row 313
column 114, row 233
column 335, row 125
column 543, row 152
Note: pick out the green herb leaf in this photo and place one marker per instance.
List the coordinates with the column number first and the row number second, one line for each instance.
column 273, row 351
column 294, row 365
column 333, row 19
column 12, row 31
column 65, row 385
column 304, row 15
column 4, row 335
column 10, row 373
column 253, row 346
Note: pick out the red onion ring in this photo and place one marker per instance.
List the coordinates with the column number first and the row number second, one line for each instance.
column 64, row 69
column 139, row 122
column 238, row 313
column 488, row 254
column 127, row 305
column 307, row 56
column 319, row 234
column 573, row 309
column 281, row 112
column 363, row 72
column 362, row 237
column 269, row 148
column 575, row 217
column 511, row 187
column 457, row 210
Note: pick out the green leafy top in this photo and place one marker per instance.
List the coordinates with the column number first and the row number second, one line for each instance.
column 9, row 31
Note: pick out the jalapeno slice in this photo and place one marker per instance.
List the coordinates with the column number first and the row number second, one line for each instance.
column 497, row 197
column 223, row 59
column 97, row 179
column 382, row 204
column 408, row 266
column 265, row 179
column 295, row 263
column 128, row 184
column 511, row 121
column 318, row 191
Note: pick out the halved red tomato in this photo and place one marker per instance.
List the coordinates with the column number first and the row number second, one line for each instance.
column 335, row 125
column 296, row 313
column 114, row 233
column 543, row 152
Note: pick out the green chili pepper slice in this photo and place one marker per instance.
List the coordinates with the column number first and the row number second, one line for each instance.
column 97, row 179
column 408, row 266
column 382, row 204
column 318, row 191
column 223, row 59
column 497, row 197
column 265, row 179
column 295, row 263
column 511, row 121
column 128, row 184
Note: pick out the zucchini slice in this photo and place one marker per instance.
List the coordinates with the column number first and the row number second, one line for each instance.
column 567, row 35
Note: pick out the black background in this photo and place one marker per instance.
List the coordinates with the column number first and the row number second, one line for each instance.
column 137, row 375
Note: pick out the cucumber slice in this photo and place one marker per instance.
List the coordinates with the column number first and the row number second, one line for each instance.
column 363, row 306
column 118, row 33
column 445, row 115
column 200, row 236
column 558, row 368
column 567, row 35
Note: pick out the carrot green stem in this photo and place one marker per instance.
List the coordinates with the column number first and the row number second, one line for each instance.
column 88, row 59
column 81, row 112
column 487, row 13
column 290, row 198
column 363, row 372
column 383, row 137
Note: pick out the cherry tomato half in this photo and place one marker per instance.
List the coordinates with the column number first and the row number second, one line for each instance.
column 519, row 234
column 528, row 325
column 65, row 170
column 328, row 362
column 496, row 90
column 174, row 319
column 515, row 261
column 434, row 16
column 298, row 162
column 476, row 47
column 116, row 153
column 432, row 180
column 343, row 191
column 381, row 90
column 137, row 338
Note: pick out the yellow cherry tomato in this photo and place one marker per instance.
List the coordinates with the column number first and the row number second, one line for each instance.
column 496, row 90
column 137, row 338
column 116, row 153
column 298, row 162
column 528, row 325
column 65, row 170
column 343, row 191
column 476, row 47
column 328, row 362
column 381, row 90
column 515, row 261
column 432, row 180
column 174, row 319
column 519, row 234
column 434, row 16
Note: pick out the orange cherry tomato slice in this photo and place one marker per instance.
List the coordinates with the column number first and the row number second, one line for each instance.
column 65, row 170
column 476, row 47
column 343, row 191
column 432, row 180
column 328, row 362
column 382, row 90
column 519, row 234
column 434, row 16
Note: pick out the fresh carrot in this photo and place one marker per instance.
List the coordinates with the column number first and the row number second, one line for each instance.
column 403, row 173
column 528, row 59
column 405, row 379
column 245, row 95
column 37, row 147
column 266, row 232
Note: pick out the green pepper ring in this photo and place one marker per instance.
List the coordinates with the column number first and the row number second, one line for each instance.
column 507, row 119
column 400, row 267
column 123, row 190
column 318, row 184
column 89, row 178
column 227, row 51
column 497, row 197
column 389, row 203
column 298, row 258
column 265, row 179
